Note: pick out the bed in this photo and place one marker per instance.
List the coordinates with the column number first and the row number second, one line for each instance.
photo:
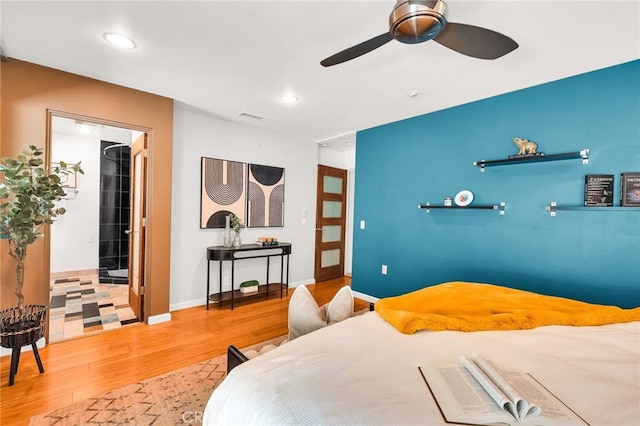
column 364, row 371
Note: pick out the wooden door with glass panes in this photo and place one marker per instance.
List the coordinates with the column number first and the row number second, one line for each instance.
column 331, row 208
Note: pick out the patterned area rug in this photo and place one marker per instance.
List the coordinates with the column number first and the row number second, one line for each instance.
column 174, row 398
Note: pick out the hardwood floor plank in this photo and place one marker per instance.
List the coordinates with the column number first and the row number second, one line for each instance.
column 82, row 368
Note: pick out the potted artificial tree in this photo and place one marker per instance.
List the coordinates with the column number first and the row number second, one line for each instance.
column 28, row 196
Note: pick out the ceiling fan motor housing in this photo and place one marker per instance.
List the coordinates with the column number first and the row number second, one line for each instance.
column 416, row 21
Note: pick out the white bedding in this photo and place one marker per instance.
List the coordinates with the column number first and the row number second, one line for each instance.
column 363, row 371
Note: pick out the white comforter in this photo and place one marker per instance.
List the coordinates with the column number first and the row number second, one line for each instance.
column 363, row 371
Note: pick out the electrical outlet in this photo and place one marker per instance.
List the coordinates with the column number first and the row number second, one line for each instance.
column 362, row 224
column 384, row 269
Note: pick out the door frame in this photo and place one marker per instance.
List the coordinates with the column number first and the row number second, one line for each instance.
column 128, row 126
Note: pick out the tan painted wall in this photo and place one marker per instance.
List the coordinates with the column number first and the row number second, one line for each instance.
column 28, row 92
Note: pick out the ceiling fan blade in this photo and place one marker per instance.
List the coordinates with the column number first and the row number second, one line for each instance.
column 357, row 50
column 475, row 41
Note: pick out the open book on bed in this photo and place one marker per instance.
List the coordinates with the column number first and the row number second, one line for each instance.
column 477, row 392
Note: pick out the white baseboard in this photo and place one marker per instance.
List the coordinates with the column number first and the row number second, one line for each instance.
column 157, row 319
column 41, row 343
column 188, row 304
column 365, row 297
column 303, row 282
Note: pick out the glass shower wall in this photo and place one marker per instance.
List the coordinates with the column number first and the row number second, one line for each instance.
column 114, row 219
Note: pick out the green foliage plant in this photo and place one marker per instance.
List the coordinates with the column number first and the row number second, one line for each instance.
column 28, row 196
column 236, row 223
column 250, row 283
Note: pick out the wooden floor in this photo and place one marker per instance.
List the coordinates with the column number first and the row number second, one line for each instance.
column 89, row 366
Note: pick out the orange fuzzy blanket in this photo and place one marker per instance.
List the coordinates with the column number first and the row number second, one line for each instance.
column 474, row 307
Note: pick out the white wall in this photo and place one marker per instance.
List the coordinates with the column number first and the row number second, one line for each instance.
column 199, row 135
column 345, row 160
column 75, row 235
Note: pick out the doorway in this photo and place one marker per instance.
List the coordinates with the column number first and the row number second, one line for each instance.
column 331, row 208
column 90, row 244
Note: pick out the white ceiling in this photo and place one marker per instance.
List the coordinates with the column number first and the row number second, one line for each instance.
column 227, row 58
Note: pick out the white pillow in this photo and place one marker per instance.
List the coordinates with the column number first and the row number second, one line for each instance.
column 341, row 306
column 306, row 316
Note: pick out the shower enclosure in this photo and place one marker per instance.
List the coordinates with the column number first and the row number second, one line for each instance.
column 113, row 251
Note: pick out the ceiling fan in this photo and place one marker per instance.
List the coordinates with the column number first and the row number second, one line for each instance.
column 416, row 21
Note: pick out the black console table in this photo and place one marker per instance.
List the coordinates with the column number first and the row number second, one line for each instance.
column 247, row 251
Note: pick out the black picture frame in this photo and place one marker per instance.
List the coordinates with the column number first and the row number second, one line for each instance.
column 598, row 191
column 222, row 191
column 265, row 196
column 630, row 189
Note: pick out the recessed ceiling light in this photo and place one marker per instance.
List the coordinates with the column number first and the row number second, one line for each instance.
column 119, row 40
column 84, row 129
column 289, row 98
column 414, row 94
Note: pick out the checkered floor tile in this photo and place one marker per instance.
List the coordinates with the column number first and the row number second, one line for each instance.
column 80, row 305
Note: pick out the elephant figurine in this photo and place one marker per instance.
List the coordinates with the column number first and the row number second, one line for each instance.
column 525, row 145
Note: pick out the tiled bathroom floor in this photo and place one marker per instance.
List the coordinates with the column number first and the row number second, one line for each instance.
column 80, row 305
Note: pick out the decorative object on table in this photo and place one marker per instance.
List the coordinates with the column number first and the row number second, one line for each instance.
column 463, row 198
column 28, row 194
column 236, row 224
column 250, row 286
column 222, row 191
column 265, row 196
column 237, row 241
column 630, row 189
column 448, row 201
column 226, row 239
column 526, row 148
column 598, row 190
column 267, row 241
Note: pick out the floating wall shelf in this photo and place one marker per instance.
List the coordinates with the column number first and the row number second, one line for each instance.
column 583, row 154
column 554, row 207
column 500, row 207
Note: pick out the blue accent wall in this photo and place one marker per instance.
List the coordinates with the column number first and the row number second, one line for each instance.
column 587, row 255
